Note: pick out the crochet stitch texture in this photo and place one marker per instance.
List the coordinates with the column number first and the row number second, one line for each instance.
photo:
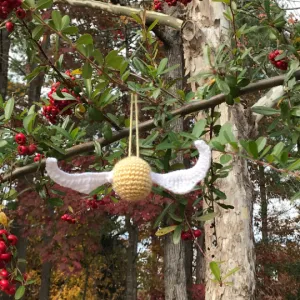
column 132, row 178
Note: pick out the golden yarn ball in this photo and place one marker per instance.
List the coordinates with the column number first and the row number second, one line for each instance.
column 132, row 178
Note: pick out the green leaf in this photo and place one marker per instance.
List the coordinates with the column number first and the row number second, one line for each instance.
column 85, row 39
column 278, row 149
column 165, row 230
column 87, row 71
column 207, row 217
column 140, row 65
column 98, row 57
column 161, row 216
column 295, row 165
column 20, row 292
column 152, row 25
column 37, row 32
column 98, row 149
column 177, row 234
column 35, row 73
column 261, row 143
column 253, row 149
column 199, row 128
column 231, row 272
column 56, row 202
column 42, row 4
column 66, row 96
column 225, row 158
column 65, row 21
column 214, row 267
column 225, row 206
column 70, row 30
column 219, row 193
column 56, row 17
column 295, row 197
column 9, row 107
column 3, row 143
column 114, row 60
column 223, row 86
column 223, row 1
column 266, row 111
column 28, row 122
column 162, row 65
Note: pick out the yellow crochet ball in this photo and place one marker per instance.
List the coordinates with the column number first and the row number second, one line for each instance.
column 132, row 179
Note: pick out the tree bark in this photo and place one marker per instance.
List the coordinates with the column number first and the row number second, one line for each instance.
column 263, row 205
column 231, row 240
column 131, row 278
column 45, row 281
column 174, row 255
column 4, row 51
column 200, row 261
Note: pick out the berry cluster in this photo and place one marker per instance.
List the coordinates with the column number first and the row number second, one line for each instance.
column 68, row 218
column 94, row 203
column 7, row 241
column 7, row 6
column 158, row 3
column 57, row 107
column 190, row 234
column 23, row 150
column 281, row 64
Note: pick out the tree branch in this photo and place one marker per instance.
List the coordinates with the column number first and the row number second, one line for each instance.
column 127, row 11
column 192, row 107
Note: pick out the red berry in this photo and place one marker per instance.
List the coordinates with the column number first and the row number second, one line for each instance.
column 11, row 290
column 37, row 158
column 4, row 273
column 20, row 13
column 20, row 138
column 22, row 150
column 5, row 256
column 31, row 149
column 197, row 233
column 4, row 283
column 3, row 231
column 12, row 239
column 185, row 235
column 3, row 247
column 9, row 26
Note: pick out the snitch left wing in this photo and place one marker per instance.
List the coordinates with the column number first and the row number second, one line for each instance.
column 82, row 182
column 183, row 181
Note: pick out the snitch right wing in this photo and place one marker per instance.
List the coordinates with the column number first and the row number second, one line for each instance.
column 83, row 182
column 183, row 181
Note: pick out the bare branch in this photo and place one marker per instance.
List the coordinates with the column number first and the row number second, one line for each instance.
column 191, row 107
column 127, row 11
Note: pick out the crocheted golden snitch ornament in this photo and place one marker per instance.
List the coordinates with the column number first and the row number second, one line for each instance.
column 132, row 177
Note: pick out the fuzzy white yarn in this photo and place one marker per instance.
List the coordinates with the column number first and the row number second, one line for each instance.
column 183, row 181
column 82, row 182
column 178, row 182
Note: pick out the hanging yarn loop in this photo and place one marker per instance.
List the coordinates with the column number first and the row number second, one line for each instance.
column 132, row 175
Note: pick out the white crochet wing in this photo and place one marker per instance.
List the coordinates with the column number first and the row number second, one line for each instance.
column 82, row 182
column 183, row 181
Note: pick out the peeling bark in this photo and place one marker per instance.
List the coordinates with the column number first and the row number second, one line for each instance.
column 231, row 241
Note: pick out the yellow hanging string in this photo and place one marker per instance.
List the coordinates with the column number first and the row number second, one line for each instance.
column 136, row 125
column 130, row 126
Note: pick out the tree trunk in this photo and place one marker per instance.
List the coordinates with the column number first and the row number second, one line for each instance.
column 263, row 205
column 200, row 261
column 231, row 241
column 174, row 255
column 131, row 278
column 45, row 281
column 4, row 51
